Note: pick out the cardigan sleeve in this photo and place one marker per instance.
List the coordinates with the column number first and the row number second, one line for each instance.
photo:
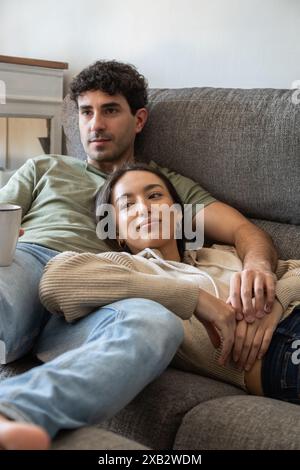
column 288, row 284
column 75, row 284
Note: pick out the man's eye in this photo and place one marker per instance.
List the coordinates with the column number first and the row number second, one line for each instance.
column 111, row 111
column 86, row 113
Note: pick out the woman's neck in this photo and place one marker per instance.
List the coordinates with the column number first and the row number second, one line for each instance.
column 170, row 251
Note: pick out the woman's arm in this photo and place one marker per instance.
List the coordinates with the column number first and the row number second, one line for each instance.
column 219, row 321
column 74, row 284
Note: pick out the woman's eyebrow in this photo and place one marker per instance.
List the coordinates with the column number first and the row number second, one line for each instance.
column 151, row 186
column 123, row 195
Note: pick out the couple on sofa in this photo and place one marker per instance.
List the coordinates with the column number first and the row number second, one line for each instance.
column 138, row 307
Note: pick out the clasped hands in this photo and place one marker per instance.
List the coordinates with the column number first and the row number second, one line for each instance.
column 246, row 321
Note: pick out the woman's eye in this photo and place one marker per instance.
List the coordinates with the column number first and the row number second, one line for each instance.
column 126, row 205
column 155, row 195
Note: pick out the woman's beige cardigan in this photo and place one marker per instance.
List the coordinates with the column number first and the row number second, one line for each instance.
column 75, row 284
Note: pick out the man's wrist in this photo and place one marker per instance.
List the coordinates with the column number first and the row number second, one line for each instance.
column 258, row 265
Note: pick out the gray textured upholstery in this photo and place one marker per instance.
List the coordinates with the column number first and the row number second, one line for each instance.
column 241, row 422
column 241, row 145
column 154, row 417
column 92, row 438
column 244, row 147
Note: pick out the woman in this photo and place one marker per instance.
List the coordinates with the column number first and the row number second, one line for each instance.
column 194, row 285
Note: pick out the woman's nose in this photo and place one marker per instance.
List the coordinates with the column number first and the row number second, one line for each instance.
column 143, row 207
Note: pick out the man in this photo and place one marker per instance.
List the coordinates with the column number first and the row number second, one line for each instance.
column 95, row 366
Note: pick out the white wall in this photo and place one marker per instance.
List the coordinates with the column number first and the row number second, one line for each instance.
column 175, row 43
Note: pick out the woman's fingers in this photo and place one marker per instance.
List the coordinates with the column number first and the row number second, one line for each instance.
column 251, row 331
column 240, row 336
column 266, row 342
column 235, row 295
column 21, row 232
column 255, row 348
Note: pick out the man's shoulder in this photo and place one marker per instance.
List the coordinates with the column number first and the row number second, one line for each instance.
column 45, row 163
column 52, row 159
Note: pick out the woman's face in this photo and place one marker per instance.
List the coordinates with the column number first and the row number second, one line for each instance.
column 144, row 214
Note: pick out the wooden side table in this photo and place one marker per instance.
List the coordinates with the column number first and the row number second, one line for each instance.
column 33, row 88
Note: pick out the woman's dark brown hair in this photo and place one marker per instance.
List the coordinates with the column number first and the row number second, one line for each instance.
column 104, row 196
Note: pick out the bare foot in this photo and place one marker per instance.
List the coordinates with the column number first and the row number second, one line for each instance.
column 22, row 436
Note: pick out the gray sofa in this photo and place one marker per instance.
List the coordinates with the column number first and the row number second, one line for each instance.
column 244, row 147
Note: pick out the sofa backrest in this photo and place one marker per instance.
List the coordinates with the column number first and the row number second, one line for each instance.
column 243, row 146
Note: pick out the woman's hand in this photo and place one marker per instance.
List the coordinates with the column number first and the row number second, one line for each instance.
column 21, row 232
column 253, row 339
column 219, row 321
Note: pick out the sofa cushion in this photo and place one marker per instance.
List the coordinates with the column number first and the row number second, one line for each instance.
column 241, row 422
column 243, row 146
column 286, row 237
column 17, row 367
column 154, row 416
column 92, row 438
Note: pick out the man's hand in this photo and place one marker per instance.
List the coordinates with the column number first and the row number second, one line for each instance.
column 253, row 339
column 252, row 293
column 256, row 250
column 219, row 321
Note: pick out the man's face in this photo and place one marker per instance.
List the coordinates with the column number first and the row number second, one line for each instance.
column 108, row 128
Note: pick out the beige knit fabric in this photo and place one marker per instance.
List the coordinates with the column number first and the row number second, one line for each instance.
column 74, row 284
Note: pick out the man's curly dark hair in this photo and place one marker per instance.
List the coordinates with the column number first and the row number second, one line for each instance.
column 113, row 78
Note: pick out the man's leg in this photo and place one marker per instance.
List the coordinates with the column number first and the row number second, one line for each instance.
column 111, row 355
column 21, row 312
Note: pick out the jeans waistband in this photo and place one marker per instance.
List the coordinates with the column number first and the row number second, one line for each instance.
column 279, row 374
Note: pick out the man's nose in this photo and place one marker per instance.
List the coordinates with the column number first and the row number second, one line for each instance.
column 97, row 123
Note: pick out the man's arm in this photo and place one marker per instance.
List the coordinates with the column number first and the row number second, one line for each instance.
column 257, row 252
column 254, row 246
column 19, row 189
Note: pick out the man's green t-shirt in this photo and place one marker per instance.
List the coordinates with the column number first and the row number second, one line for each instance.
column 57, row 196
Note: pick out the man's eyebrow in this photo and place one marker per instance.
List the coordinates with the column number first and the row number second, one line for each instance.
column 85, row 106
column 146, row 188
column 111, row 104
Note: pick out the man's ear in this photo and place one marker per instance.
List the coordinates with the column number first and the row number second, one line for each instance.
column 141, row 117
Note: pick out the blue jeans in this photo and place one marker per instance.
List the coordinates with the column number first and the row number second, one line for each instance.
column 281, row 364
column 94, row 366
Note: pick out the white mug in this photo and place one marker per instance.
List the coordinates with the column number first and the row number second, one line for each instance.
column 10, row 222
